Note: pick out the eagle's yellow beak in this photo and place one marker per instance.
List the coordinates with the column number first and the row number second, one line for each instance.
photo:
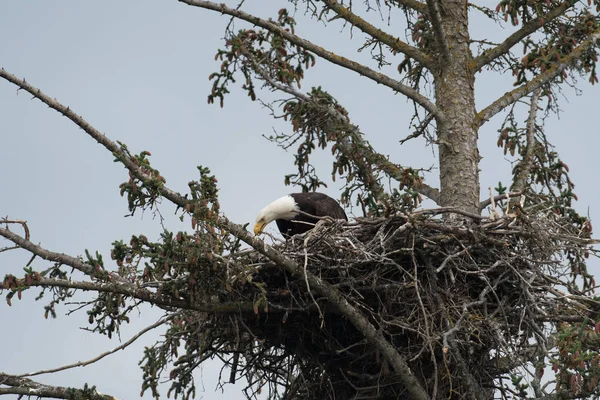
column 258, row 228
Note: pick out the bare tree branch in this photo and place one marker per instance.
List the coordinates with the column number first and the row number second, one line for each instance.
column 321, row 52
column 526, row 30
column 378, row 34
column 16, row 221
column 323, row 288
column 100, row 356
column 27, row 387
column 510, row 97
column 527, row 162
column 438, row 30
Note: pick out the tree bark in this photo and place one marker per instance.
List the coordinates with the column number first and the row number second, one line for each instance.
column 455, row 96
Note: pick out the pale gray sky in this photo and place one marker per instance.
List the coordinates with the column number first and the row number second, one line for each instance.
column 138, row 72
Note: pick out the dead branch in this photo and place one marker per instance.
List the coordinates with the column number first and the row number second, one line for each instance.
column 527, row 162
column 15, row 221
column 144, row 295
column 100, row 356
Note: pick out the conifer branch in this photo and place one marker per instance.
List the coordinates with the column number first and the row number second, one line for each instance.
column 527, row 29
column 510, row 97
column 392, row 170
column 362, row 324
column 321, row 52
column 392, row 42
column 61, row 258
column 26, row 387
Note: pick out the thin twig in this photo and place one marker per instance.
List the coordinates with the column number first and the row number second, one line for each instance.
column 306, row 279
column 100, row 356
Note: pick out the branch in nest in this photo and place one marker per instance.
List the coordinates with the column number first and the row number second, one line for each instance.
column 497, row 198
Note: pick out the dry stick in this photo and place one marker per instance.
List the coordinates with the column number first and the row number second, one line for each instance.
column 306, row 279
column 499, row 197
column 444, row 210
column 15, row 221
column 527, row 162
column 425, row 320
column 392, row 42
column 419, row 129
column 101, row 356
column 373, row 335
column 321, row 52
column 510, row 97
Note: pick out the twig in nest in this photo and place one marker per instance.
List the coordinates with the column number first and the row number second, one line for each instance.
column 306, row 278
column 499, row 197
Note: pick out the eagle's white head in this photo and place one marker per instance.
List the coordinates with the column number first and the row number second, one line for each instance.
column 283, row 208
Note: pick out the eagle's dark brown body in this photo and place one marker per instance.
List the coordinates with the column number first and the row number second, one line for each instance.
column 317, row 204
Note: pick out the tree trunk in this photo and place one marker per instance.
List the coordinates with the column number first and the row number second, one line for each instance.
column 454, row 92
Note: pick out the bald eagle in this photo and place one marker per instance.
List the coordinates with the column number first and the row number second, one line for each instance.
column 290, row 213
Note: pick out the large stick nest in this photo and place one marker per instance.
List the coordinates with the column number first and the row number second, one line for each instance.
column 463, row 303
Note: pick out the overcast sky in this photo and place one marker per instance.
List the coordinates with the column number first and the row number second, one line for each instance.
column 138, row 71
